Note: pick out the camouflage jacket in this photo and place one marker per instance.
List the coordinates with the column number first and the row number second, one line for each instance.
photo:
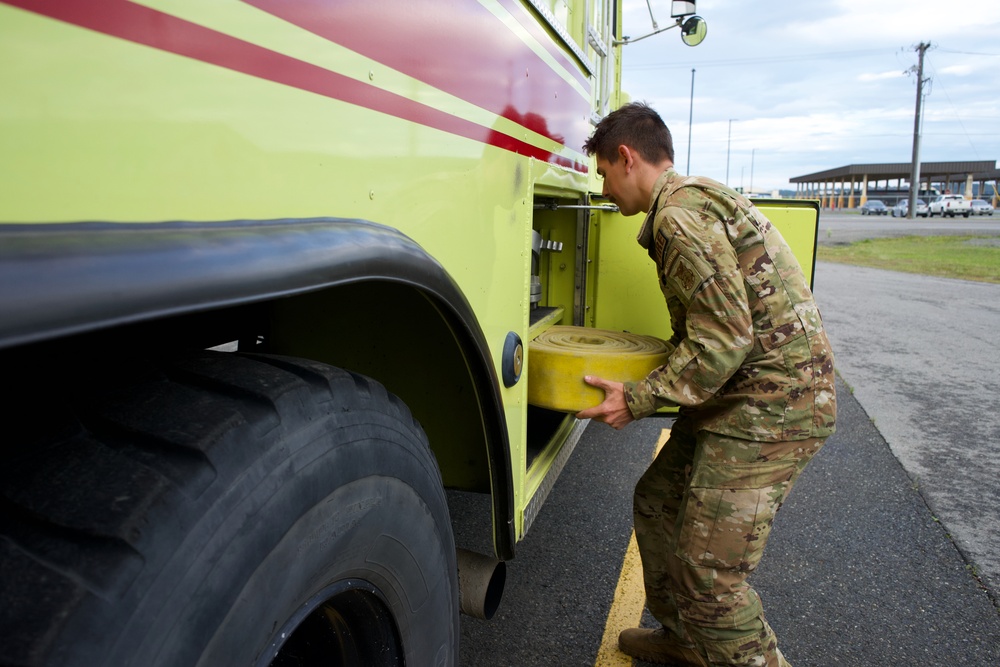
column 751, row 359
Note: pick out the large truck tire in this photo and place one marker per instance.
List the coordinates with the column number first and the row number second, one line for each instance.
column 223, row 509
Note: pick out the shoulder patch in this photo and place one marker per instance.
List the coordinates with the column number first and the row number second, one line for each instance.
column 684, row 272
column 684, row 276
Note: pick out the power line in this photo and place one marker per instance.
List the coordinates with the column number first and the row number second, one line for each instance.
column 763, row 59
column 958, row 117
column 785, row 58
column 969, row 53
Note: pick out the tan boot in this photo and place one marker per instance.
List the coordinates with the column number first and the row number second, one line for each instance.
column 658, row 647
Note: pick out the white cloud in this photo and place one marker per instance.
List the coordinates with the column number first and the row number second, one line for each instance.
column 880, row 76
column 957, row 70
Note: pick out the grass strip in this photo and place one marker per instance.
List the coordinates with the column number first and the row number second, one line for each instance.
column 964, row 257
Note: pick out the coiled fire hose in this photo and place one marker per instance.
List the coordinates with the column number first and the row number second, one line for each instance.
column 560, row 357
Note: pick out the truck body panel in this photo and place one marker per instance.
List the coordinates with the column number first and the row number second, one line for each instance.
column 241, row 114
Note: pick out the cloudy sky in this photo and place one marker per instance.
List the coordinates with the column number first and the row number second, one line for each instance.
column 818, row 84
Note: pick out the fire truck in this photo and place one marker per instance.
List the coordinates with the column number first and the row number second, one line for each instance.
column 269, row 270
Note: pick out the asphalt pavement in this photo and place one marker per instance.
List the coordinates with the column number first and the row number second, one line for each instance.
column 920, row 355
column 858, row 570
column 837, row 228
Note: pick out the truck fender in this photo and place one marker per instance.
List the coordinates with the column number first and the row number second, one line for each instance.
column 59, row 280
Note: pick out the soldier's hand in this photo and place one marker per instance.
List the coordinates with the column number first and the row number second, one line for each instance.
column 614, row 410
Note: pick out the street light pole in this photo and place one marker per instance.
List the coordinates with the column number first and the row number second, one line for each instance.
column 752, row 152
column 690, row 118
column 728, row 141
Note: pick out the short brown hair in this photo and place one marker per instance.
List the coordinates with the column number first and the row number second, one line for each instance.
column 637, row 126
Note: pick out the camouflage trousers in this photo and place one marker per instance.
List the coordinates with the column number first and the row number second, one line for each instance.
column 703, row 512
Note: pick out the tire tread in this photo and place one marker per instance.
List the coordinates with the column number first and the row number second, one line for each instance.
column 85, row 535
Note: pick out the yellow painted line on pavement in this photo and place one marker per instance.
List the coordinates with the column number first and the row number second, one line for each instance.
column 629, row 598
column 626, row 609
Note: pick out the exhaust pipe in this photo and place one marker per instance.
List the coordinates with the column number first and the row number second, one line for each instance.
column 480, row 583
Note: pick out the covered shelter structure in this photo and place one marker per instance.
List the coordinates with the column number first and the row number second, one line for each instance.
column 843, row 187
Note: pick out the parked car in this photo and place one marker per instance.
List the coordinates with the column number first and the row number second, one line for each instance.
column 874, row 207
column 949, row 206
column 981, row 207
column 903, row 205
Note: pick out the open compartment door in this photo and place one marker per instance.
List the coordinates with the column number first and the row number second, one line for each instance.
column 798, row 221
column 626, row 295
column 625, row 292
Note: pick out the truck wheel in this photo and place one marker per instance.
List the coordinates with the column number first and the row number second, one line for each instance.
column 224, row 509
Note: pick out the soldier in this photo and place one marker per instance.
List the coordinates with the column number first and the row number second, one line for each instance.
column 752, row 374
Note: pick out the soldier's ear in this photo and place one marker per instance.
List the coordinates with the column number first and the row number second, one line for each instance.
column 625, row 154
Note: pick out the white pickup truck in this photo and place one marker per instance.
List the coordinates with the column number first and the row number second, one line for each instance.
column 950, row 206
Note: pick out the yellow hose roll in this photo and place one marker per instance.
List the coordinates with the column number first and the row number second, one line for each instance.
column 560, row 357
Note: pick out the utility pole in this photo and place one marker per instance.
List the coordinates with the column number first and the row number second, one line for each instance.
column 911, row 209
column 690, row 119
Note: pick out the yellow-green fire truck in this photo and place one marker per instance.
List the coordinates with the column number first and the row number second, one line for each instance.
column 268, row 273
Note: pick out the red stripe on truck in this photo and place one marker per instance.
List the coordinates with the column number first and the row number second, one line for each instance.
column 156, row 29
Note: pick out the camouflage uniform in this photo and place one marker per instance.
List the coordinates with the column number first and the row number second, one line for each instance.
column 752, row 374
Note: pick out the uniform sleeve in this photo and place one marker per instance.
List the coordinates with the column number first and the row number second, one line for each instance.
column 700, row 269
